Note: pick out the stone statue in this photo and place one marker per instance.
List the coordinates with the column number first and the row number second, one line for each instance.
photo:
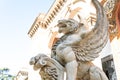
column 74, row 52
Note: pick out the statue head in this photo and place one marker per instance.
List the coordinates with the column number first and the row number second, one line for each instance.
column 68, row 25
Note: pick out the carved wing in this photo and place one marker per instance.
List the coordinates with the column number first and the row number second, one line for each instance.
column 50, row 69
column 96, row 39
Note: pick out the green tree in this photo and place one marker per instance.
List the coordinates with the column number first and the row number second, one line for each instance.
column 4, row 74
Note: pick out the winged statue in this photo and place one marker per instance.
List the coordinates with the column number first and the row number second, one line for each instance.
column 74, row 52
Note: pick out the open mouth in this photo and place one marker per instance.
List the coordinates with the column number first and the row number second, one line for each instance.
column 61, row 25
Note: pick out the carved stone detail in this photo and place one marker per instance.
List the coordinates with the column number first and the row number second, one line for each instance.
column 75, row 50
column 50, row 69
column 109, row 6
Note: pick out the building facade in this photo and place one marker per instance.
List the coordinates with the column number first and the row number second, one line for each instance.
column 43, row 32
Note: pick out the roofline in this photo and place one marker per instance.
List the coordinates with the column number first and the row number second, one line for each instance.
column 47, row 18
column 36, row 24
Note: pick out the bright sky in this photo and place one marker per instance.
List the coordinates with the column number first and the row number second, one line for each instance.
column 16, row 18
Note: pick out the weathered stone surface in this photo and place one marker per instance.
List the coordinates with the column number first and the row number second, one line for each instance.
column 75, row 50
